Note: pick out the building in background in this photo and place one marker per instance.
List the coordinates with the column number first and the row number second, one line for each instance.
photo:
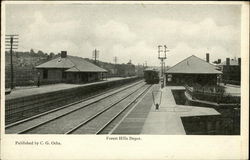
column 118, row 70
column 125, row 70
column 192, row 70
column 69, row 69
column 231, row 69
column 139, row 70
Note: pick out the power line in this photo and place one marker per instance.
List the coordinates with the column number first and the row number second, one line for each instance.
column 28, row 49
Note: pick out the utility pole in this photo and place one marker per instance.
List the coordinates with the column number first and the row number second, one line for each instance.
column 95, row 55
column 162, row 57
column 115, row 60
column 11, row 42
column 164, row 67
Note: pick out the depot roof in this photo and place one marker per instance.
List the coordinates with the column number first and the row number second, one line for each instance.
column 193, row 65
column 72, row 64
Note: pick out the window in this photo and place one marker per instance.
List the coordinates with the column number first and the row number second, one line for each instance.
column 45, row 73
column 64, row 75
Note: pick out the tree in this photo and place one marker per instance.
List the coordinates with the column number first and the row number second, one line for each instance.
column 51, row 55
column 32, row 51
column 216, row 62
column 40, row 53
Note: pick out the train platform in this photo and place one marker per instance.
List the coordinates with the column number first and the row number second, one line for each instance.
column 28, row 91
column 232, row 89
column 133, row 122
column 167, row 119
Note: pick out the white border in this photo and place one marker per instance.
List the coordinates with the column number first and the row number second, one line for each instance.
column 150, row 147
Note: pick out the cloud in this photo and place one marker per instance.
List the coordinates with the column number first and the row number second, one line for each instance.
column 183, row 50
column 137, row 41
column 207, row 31
column 114, row 31
column 64, row 45
column 50, row 37
column 140, row 52
column 185, row 38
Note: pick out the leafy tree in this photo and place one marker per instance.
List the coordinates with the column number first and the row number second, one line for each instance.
column 51, row 55
column 32, row 51
column 40, row 53
column 216, row 62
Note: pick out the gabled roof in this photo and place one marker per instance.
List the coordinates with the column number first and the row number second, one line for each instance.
column 193, row 65
column 72, row 64
column 57, row 63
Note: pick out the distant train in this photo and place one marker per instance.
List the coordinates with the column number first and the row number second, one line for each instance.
column 151, row 76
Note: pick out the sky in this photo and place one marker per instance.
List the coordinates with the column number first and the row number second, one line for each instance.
column 128, row 31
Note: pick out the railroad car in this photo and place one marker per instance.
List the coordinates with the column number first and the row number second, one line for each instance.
column 151, row 76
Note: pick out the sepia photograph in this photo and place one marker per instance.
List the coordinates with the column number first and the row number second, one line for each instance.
column 122, row 70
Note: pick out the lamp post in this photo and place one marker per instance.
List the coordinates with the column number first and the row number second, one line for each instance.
column 162, row 56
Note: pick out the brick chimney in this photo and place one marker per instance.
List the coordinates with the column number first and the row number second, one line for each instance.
column 219, row 61
column 63, row 54
column 239, row 61
column 207, row 57
column 228, row 61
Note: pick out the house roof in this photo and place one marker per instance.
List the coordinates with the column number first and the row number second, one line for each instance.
column 193, row 65
column 72, row 64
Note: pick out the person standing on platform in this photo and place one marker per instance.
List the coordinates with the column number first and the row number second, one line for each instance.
column 157, row 106
column 38, row 79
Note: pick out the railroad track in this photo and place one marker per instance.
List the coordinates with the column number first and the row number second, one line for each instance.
column 71, row 113
column 23, row 108
column 102, row 121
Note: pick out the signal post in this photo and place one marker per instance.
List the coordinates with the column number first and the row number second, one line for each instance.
column 162, row 56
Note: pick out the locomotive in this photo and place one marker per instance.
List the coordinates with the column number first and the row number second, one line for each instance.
column 151, row 76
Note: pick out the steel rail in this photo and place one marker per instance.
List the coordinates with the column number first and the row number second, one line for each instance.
column 74, row 110
column 71, row 104
column 127, row 113
column 119, row 113
column 99, row 113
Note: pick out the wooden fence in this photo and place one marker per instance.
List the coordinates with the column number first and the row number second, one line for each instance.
column 220, row 97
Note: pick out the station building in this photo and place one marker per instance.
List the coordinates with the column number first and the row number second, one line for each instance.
column 69, row 69
column 192, row 70
column 231, row 69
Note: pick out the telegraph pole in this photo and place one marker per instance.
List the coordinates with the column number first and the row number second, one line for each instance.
column 115, row 60
column 11, row 42
column 162, row 57
column 164, row 67
column 95, row 55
